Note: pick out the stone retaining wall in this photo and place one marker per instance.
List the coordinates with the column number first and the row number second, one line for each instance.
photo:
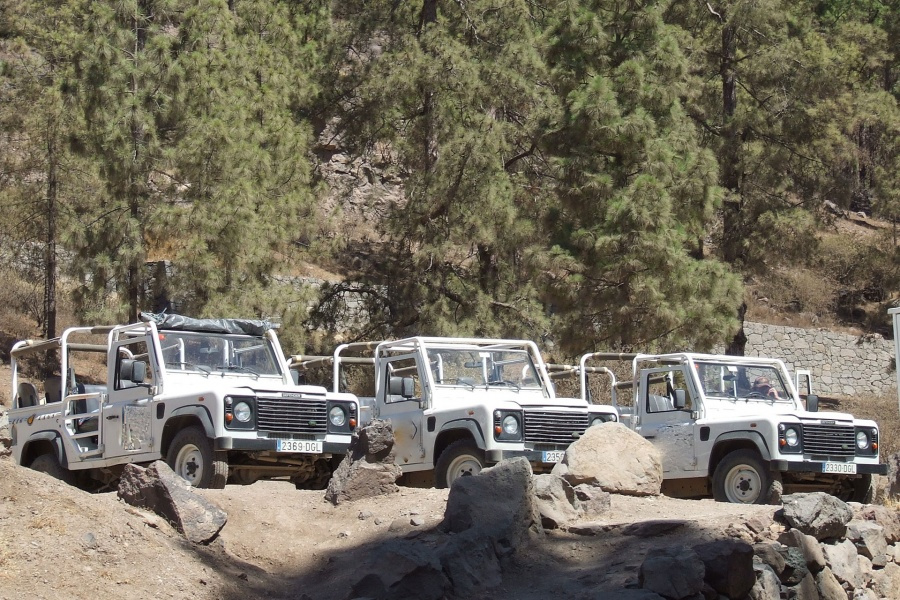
column 841, row 364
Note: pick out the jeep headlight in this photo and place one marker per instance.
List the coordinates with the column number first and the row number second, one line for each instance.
column 510, row 425
column 862, row 439
column 337, row 416
column 242, row 412
column 791, row 437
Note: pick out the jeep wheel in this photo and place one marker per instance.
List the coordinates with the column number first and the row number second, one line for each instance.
column 863, row 490
column 49, row 464
column 741, row 478
column 192, row 457
column 462, row 458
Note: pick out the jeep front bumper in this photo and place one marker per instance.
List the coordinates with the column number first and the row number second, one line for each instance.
column 818, row 467
column 333, row 444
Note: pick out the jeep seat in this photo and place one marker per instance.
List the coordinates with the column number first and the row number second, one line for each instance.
column 26, row 395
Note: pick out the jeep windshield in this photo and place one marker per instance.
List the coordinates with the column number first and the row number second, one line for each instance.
column 747, row 382
column 483, row 368
column 224, row 353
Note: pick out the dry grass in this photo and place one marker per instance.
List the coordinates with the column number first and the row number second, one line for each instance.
column 882, row 409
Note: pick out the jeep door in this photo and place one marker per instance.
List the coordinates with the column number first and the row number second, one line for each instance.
column 666, row 402
column 401, row 399
column 128, row 413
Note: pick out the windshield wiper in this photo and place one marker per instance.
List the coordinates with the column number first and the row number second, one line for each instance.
column 203, row 370
column 458, row 380
column 507, row 383
column 241, row 368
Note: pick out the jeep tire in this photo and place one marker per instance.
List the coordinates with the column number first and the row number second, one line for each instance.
column 192, row 457
column 462, row 458
column 742, row 477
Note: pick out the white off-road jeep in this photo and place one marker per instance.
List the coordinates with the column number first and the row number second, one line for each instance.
column 737, row 427
column 213, row 397
column 459, row 404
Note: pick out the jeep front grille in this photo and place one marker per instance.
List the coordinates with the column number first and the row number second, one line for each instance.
column 303, row 415
column 554, row 427
column 829, row 440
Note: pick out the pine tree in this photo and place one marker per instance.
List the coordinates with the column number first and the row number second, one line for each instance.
column 240, row 164
column 453, row 91
column 41, row 177
column 636, row 188
column 125, row 78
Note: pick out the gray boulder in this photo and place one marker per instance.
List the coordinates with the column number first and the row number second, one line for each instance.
column 728, row 566
column 635, row 470
column 817, row 514
column 368, row 469
column 499, row 503
column 843, row 562
column 893, row 476
column 555, row 500
column 887, row 518
column 808, row 546
column 591, row 501
column 159, row 489
column 471, row 562
column 673, row 572
column 829, row 587
column 767, row 585
column 869, row 540
column 886, row 581
column 795, row 569
column 770, row 554
column 806, row 589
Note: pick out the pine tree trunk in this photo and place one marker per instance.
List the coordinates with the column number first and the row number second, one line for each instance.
column 730, row 150
column 50, row 260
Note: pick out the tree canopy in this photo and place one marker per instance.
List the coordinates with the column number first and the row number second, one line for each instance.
column 602, row 174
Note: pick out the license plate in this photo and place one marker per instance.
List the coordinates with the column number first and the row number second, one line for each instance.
column 302, row 446
column 840, row 468
column 552, row 456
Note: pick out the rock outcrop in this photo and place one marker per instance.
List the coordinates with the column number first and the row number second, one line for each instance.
column 159, row 489
column 368, row 469
column 637, row 470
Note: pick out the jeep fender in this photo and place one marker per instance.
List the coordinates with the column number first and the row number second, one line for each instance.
column 753, row 437
column 202, row 414
column 49, row 436
column 472, row 426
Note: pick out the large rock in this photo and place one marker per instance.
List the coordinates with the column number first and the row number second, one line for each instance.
column 368, row 469
column 817, row 514
column 808, row 546
column 829, row 587
column 616, row 459
column 893, row 476
column 555, row 500
column 591, row 501
column 843, row 562
column 159, row 489
column 869, row 540
column 673, row 572
column 499, row 503
column 728, row 566
column 886, row 581
column 806, row 589
column 767, row 586
column 888, row 518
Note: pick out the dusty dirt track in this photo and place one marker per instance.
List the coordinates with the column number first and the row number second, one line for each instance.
column 59, row 542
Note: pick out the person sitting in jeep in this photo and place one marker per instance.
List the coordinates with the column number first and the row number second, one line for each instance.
column 764, row 388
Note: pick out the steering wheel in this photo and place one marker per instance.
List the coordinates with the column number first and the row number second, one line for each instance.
column 756, row 395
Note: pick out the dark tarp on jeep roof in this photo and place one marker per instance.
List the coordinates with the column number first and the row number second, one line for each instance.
column 170, row 322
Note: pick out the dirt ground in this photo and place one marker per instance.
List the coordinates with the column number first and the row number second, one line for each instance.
column 60, row 542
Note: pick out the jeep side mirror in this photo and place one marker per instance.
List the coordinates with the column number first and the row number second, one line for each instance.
column 680, row 399
column 402, row 386
column 134, row 371
column 812, row 403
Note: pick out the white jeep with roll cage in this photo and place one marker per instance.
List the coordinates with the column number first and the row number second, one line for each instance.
column 213, row 397
column 459, row 404
column 736, row 426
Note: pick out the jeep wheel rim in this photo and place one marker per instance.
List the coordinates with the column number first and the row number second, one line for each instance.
column 463, row 466
column 189, row 464
column 743, row 485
